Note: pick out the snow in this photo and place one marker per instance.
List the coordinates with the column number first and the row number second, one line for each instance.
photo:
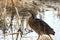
column 49, row 18
column 54, row 22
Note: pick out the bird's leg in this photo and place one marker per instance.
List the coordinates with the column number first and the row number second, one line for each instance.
column 50, row 37
column 38, row 37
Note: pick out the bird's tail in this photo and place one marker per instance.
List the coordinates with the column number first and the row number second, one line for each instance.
column 51, row 31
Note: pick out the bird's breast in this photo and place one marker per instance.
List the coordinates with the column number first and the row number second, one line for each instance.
column 35, row 26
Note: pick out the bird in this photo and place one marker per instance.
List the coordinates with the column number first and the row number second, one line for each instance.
column 39, row 26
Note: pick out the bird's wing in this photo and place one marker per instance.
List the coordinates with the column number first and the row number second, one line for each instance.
column 44, row 26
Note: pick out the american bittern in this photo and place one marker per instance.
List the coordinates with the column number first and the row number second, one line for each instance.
column 38, row 25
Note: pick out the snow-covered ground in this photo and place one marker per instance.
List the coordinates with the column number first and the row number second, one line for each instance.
column 54, row 22
column 49, row 18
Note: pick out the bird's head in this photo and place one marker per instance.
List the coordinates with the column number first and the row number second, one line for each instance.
column 33, row 13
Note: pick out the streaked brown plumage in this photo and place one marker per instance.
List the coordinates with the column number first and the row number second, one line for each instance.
column 39, row 26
